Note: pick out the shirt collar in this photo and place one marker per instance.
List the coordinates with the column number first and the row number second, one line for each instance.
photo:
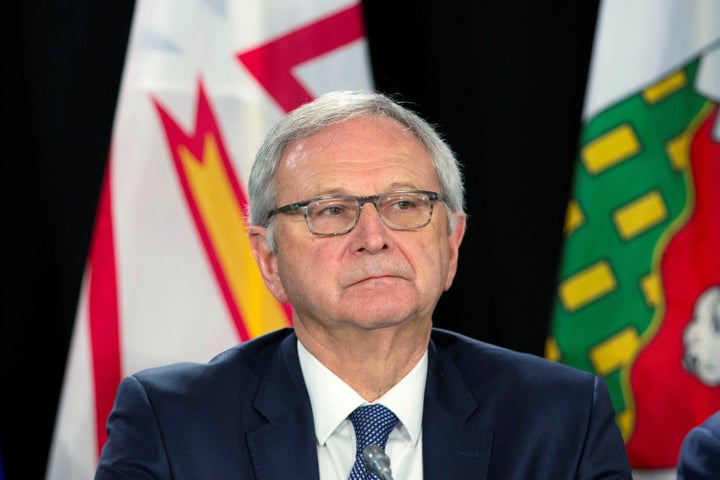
column 333, row 400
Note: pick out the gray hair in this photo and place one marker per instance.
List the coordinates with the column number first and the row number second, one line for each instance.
column 334, row 108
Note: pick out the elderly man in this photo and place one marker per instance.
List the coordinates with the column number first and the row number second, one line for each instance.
column 356, row 220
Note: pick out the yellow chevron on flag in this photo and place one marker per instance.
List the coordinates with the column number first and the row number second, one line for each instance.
column 223, row 218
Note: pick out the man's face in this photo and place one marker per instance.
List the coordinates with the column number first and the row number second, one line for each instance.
column 373, row 276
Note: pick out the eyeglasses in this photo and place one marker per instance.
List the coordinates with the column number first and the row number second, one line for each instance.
column 403, row 210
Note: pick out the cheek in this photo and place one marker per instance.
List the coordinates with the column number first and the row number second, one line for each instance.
column 305, row 272
column 431, row 265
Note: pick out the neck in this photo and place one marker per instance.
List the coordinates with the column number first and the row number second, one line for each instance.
column 370, row 361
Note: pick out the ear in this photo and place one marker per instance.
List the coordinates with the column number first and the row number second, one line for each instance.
column 267, row 262
column 454, row 240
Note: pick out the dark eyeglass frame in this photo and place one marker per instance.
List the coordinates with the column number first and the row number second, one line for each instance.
column 302, row 206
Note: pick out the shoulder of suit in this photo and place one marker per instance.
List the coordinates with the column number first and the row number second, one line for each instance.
column 252, row 352
column 470, row 354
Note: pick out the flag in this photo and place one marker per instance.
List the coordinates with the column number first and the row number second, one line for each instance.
column 170, row 275
column 638, row 299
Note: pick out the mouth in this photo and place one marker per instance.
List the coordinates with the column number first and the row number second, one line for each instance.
column 375, row 279
column 376, row 272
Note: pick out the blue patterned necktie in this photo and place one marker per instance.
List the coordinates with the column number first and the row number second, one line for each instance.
column 372, row 424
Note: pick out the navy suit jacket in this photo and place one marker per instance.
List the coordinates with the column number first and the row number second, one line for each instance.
column 489, row 413
column 700, row 452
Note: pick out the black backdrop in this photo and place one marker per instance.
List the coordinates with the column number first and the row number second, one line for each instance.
column 503, row 79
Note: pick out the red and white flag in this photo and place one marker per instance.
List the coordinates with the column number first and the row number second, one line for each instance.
column 170, row 276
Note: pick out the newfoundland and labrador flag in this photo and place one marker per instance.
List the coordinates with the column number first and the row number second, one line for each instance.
column 639, row 289
column 170, row 276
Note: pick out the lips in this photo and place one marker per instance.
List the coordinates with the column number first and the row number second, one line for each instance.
column 377, row 271
column 372, row 279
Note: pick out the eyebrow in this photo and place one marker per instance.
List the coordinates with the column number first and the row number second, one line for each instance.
column 396, row 186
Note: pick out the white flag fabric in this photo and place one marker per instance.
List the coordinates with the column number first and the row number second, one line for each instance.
column 170, row 276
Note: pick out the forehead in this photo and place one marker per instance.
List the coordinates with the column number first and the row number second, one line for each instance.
column 364, row 155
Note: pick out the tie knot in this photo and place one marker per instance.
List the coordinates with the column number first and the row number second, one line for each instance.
column 372, row 424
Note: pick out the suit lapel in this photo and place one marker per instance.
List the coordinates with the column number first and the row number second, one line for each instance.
column 453, row 447
column 285, row 447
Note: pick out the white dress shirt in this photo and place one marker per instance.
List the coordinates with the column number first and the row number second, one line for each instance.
column 333, row 400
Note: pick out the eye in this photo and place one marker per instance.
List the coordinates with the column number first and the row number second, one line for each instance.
column 331, row 208
column 403, row 202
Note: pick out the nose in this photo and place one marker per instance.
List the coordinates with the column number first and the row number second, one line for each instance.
column 370, row 233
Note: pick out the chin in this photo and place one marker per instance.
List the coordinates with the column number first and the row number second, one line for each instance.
column 380, row 307
column 373, row 316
